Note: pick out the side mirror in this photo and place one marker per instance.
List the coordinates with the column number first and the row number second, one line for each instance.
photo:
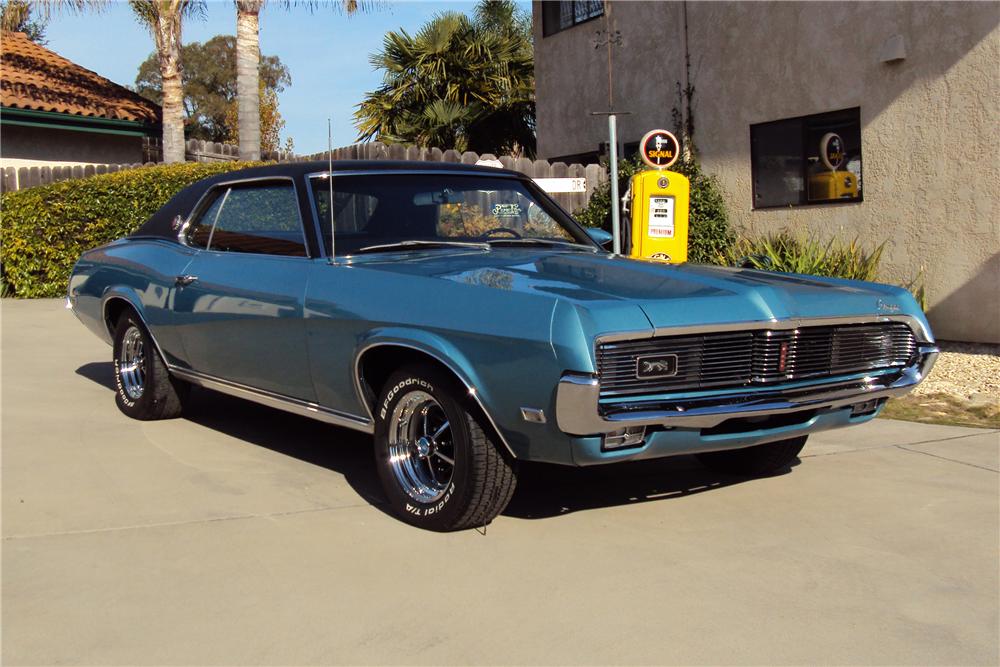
column 600, row 237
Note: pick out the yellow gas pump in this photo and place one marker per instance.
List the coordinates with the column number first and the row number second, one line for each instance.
column 829, row 183
column 659, row 203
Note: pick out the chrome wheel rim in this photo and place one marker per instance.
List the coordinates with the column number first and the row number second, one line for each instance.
column 132, row 363
column 421, row 447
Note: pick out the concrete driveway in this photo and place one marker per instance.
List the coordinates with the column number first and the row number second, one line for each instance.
column 242, row 535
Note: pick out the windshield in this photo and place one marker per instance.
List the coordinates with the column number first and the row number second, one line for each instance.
column 377, row 211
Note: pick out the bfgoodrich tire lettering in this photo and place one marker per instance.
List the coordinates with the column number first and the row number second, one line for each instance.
column 144, row 388
column 757, row 460
column 440, row 470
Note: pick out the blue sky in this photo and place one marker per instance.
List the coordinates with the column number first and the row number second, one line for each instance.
column 326, row 52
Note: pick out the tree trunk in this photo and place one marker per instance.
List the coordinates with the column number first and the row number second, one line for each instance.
column 248, row 76
column 167, row 32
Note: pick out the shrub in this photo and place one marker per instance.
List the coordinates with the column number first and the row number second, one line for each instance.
column 792, row 253
column 46, row 228
column 709, row 235
column 789, row 253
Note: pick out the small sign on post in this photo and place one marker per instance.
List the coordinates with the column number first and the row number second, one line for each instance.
column 561, row 185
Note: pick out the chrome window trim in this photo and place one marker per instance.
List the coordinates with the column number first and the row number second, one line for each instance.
column 359, row 390
column 275, row 400
column 323, row 252
column 182, row 232
column 423, row 172
column 215, row 221
column 920, row 332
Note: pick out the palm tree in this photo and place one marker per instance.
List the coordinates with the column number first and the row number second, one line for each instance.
column 17, row 12
column 247, row 68
column 460, row 82
column 248, row 76
column 164, row 19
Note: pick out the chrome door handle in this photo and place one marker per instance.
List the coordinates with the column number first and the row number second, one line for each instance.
column 184, row 281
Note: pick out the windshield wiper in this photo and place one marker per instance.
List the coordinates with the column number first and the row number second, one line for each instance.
column 543, row 242
column 421, row 245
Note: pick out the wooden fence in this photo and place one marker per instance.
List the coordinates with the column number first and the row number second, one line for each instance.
column 593, row 174
column 28, row 177
column 12, row 178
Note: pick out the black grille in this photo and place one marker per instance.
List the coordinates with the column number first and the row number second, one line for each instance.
column 760, row 357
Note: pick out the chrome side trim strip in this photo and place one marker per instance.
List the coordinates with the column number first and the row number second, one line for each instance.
column 921, row 332
column 471, row 390
column 274, row 400
column 577, row 397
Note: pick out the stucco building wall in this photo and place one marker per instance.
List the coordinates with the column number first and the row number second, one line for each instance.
column 931, row 169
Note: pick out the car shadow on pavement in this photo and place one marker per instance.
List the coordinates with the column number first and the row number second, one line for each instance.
column 543, row 490
column 338, row 449
column 341, row 450
column 101, row 372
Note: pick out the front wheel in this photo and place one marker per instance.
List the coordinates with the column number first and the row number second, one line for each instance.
column 439, row 468
column 757, row 460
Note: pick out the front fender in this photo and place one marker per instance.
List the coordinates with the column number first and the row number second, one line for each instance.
column 496, row 382
column 423, row 341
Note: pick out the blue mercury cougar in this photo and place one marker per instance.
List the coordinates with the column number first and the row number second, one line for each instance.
column 468, row 323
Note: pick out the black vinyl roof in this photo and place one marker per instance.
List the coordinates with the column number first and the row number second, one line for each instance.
column 160, row 224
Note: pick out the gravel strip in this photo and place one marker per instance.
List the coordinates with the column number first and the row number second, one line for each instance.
column 966, row 370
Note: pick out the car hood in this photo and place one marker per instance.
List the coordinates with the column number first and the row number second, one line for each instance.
column 669, row 295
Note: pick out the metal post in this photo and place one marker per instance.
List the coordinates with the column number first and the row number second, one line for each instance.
column 616, row 231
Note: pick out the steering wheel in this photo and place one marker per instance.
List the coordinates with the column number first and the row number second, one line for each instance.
column 500, row 230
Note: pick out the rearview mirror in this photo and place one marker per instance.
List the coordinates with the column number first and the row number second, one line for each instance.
column 438, row 197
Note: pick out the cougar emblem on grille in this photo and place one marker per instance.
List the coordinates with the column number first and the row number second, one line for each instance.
column 658, row 366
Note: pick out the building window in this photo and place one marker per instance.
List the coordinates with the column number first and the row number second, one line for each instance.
column 807, row 160
column 558, row 15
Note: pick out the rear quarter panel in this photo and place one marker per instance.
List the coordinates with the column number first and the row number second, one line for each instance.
column 141, row 271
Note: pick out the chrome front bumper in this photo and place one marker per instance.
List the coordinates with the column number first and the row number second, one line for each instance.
column 578, row 411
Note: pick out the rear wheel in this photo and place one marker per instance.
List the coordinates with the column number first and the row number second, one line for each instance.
column 757, row 460
column 144, row 388
column 439, row 468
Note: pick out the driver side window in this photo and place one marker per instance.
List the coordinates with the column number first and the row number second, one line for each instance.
column 260, row 219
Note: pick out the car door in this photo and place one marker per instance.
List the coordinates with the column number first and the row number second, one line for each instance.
column 239, row 302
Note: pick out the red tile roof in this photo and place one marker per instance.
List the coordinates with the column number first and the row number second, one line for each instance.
column 32, row 77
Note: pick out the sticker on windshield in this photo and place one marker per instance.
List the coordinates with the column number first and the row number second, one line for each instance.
column 507, row 210
column 661, row 217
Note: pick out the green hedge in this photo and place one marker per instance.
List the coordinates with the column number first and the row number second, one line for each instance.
column 45, row 229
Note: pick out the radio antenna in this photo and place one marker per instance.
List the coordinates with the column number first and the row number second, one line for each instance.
column 329, row 179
